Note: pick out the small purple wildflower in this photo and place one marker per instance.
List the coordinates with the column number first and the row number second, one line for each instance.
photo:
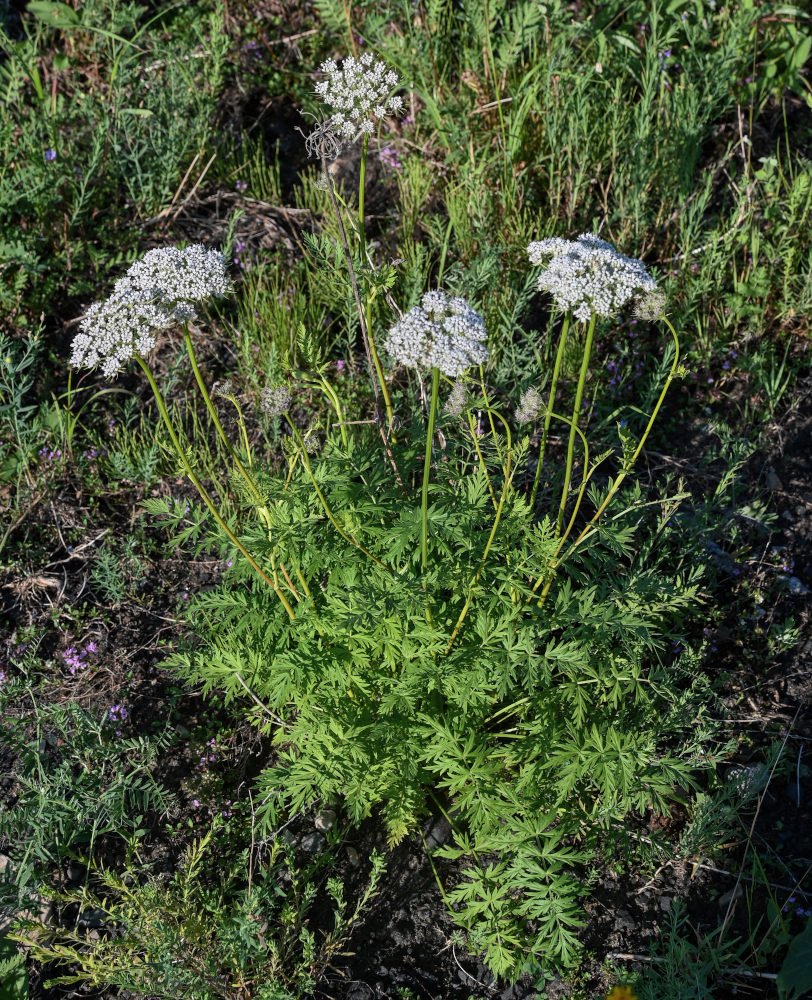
column 339, row 365
column 390, row 158
column 50, row 155
column 241, row 186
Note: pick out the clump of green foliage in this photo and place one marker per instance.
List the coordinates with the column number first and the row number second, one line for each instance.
column 215, row 934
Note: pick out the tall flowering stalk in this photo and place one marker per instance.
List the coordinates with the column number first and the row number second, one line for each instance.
column 589, row 279
column 359, row 92
column 440, row 335
column 163, row 289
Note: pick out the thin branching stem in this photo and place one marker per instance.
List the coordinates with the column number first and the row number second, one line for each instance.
column 590, row 528
column 576, row 414
column 204, row 494
column 492, row 535
column 330, row 516
column 559, row 355
column 424, row 496
column 248, row 478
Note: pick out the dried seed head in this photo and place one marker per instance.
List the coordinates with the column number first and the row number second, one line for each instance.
column 276, row 400
column 456, row 401
column 441, row 332
column 223, row 389
column 530, row 406
column 589, row 276
column 324, row 142
column 650, row 307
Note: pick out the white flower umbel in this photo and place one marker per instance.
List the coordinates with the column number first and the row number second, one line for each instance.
column 159, row 290
column 589, row 276
column 358, row 93
column 441, row 332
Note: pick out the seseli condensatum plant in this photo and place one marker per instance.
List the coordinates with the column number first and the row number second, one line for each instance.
column 411, row 628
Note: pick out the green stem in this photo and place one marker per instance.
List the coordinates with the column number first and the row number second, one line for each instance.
column 375, row 370
column 491, row 537
column 472, row 428
column 361, row 193
column 390, row 416
column 320, row 495
column 559, row 355
column 590, row 527
column 249, row 479
column 576, row 413
column 202, row 491
column 336, row 404
column 387, row 399
column 490, row 416
column 424, row 500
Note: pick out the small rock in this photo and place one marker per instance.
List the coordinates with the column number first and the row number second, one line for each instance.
column 94, row 935
column 796, row 587
column 735, row 893
column 313, row 842
column 772, row 481
column 75, row 873
column 288, row 837
column 325, row 820
column 92, row 918
column 437, row 832
column 750, row 778
column 485, row 976
column 624, row 921
column 181, row 730
column 352, row 856
column 665, row 903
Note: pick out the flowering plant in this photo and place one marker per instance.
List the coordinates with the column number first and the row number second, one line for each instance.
column 393, row 621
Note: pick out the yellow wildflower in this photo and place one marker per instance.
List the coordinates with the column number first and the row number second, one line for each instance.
column 622, row 993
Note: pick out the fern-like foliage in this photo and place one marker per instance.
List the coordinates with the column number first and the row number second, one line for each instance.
column 395, row 690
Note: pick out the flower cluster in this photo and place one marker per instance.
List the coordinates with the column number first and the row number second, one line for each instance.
column 441, row 332
column 157, row 291
column 590, row 277
column 357, row 91
column 76, row 659
column 390, row 158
